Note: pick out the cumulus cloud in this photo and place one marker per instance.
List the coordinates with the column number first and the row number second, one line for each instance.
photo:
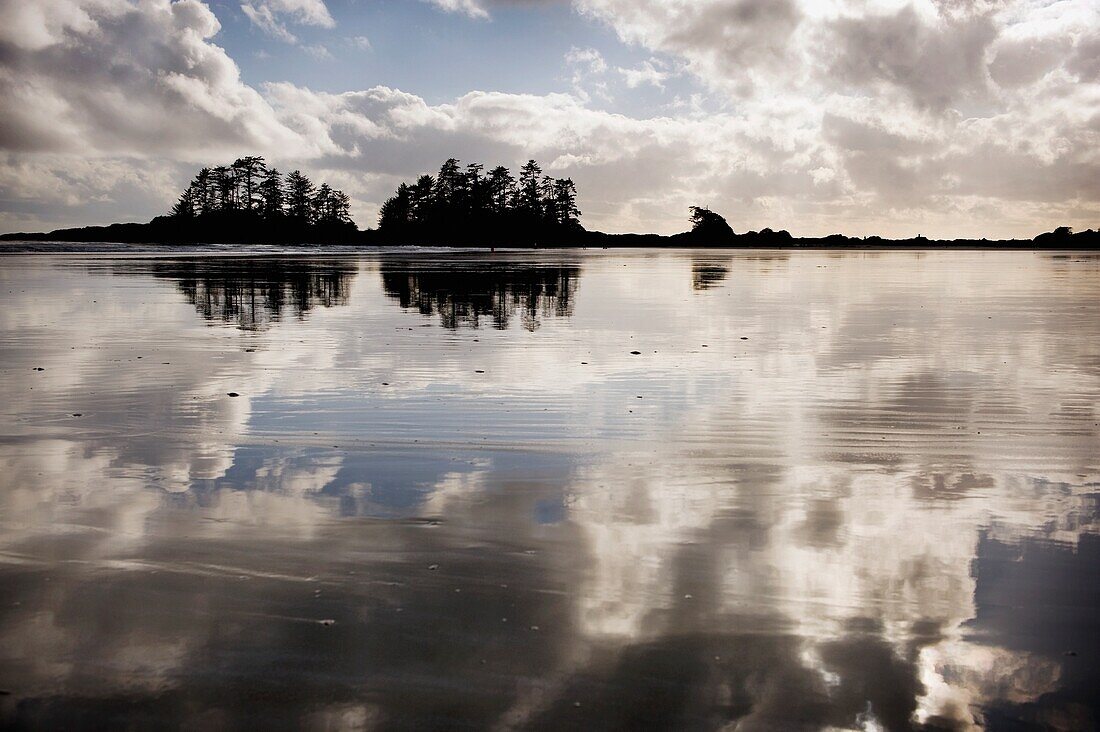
column 472, row 8
column 934, row 64
column 648, row 72
column 268, row 15
column 944, row 118
column 723, row 41
column 588, row 67
column 173, row 92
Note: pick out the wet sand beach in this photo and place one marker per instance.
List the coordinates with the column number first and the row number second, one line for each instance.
column 550, row 490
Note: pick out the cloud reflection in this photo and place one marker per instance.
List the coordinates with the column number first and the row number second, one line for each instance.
column 826, row 493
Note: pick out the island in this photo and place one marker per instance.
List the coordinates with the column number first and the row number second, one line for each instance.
column 247, row 202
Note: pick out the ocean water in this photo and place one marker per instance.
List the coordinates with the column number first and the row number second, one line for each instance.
column 550, row 490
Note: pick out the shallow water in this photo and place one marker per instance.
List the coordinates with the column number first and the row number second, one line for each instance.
column 830, row 489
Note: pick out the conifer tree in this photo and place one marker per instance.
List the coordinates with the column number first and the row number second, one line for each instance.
column 299, row 196
column 272, row 198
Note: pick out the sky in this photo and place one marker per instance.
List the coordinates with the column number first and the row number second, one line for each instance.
column 891, row 117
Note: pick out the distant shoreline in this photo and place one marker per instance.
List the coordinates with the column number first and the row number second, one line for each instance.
column 141, row 235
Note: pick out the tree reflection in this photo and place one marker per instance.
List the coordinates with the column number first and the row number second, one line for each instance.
column 255, row 292
column 707, row 272
column 463, row 297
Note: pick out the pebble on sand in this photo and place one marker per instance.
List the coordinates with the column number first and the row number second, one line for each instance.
column 635, row 353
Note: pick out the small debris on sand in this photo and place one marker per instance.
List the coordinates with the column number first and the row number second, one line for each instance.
column 635, row 353
column 327, row 621
column 433, row 567
column 232, row 394
column 38, row 368
column 78, row 414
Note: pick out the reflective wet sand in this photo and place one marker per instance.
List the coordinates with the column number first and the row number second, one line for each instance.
column 550, row 490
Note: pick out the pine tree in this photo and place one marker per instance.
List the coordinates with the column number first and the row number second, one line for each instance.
column 322, row 204
column 248, row 172
column 396, row 212
column 547, row 201
column 527, row 195
column 422, row 199
column 448, row 183
column 185, row 206
column 501, row 188
column 565, row 201
column 341, row 207
column 224, row 187
column 271, row 195
column 299, row 196
column 204, row 196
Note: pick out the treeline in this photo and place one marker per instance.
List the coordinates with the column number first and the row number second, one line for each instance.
column 248, row 189
column 468, row 205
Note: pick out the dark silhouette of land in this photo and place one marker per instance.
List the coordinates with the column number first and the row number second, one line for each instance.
column 248, row 203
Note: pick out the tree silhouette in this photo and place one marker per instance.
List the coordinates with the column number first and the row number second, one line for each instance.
column 396, row 213
column 224, row 188
column 528, row 196
column 249, row 201
column 185, row 206
column 248, row 171
column 299, row 196
column 272, row 197
column 422, row 198
column 564, row 201
column 501, row 188
column 467, row 205
column 706, row 223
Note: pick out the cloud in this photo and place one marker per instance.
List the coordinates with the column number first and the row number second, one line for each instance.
column 173, row 92
column 648, row 72
column 587, row 66
column 934, row 64
column 947, row 118
column 724, row 42
column 319, row 52
column 266, row 14
column 472, row 8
